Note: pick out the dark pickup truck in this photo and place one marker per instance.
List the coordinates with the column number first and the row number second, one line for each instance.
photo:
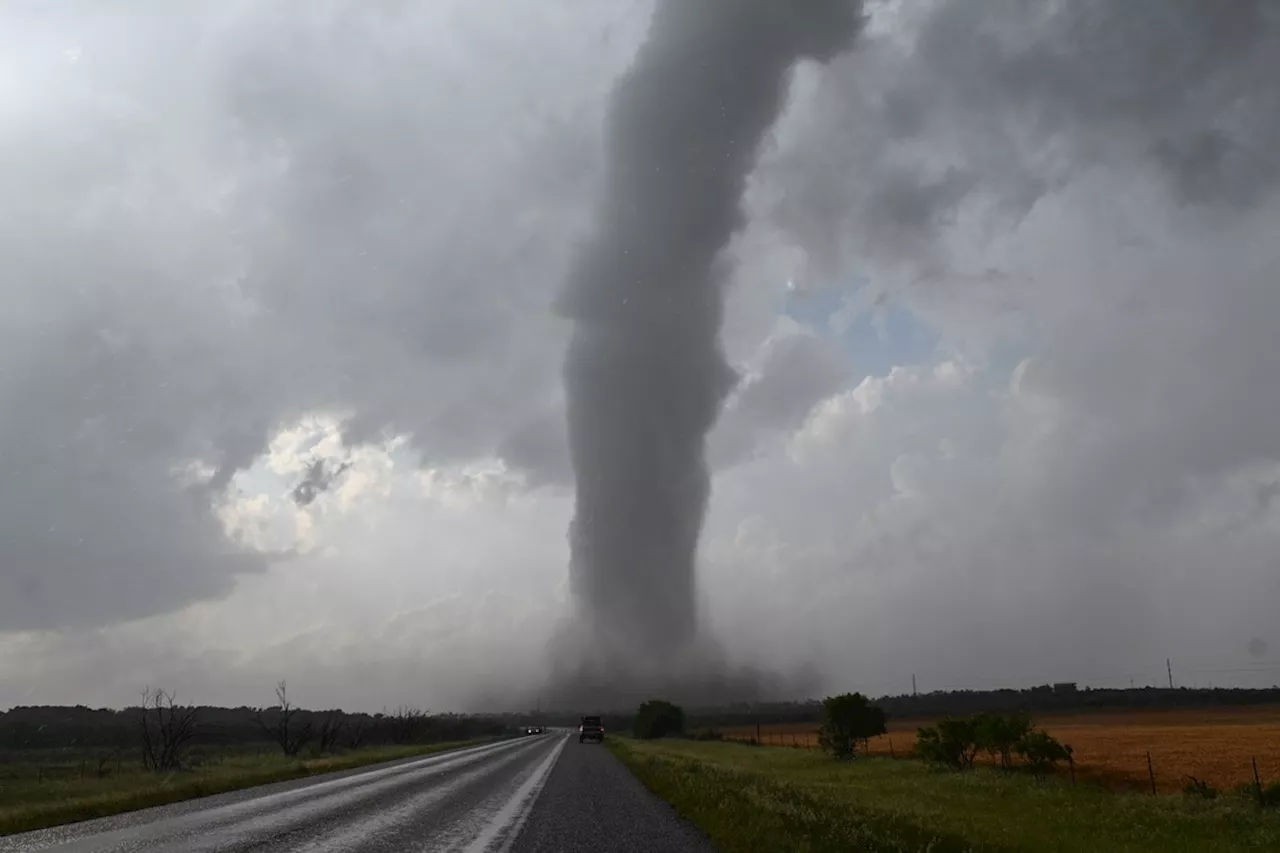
column 591, row 729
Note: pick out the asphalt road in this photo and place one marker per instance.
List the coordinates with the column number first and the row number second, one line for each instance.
column 537, row 794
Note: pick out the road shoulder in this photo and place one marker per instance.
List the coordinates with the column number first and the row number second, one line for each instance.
column 592, row 802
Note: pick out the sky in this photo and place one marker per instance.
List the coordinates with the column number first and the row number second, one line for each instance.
column 281, row 380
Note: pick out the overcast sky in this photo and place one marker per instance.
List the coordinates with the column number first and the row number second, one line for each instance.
column 280, row 388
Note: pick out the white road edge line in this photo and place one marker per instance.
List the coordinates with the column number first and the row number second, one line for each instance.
column 510, row 819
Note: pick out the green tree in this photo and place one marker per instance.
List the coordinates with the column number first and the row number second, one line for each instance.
column 658, row 718
column 847, row 719
column 999, row 735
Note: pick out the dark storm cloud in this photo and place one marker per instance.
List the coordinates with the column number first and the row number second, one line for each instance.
column 645, row 375
column 1162, row 78
column 98, row 521
column 1005, row 101
column 540, row 448
column 319, row 477
column 218, row 218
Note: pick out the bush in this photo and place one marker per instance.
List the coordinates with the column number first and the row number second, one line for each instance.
column 658, row 718
column 847, row 719
column 1042, row 751
column 953, row 742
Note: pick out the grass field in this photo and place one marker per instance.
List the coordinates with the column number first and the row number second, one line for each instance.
column 749, row 799
column 1216, row 746
column 47, row 789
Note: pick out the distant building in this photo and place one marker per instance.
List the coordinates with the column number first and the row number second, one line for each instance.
column 1064, row 688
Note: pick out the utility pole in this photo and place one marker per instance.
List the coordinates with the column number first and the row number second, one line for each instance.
column 1169, row 666
column 913, row 684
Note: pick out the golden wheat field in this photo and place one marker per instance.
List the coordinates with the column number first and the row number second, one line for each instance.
column 1215, row 746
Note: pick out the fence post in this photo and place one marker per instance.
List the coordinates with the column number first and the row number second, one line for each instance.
column 892, row 754
column 1151, row 771
column 758, row 741
column 1257, row 780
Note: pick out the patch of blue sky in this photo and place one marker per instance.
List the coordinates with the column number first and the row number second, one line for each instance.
column 888, row 336
column 876, row 336
column 880, row 331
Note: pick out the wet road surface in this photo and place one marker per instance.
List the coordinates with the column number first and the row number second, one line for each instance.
column 531, row 795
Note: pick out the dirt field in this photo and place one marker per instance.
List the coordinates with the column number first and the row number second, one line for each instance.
column 1215, row 746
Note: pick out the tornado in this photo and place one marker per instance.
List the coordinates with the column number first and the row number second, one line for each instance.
column 645, row 374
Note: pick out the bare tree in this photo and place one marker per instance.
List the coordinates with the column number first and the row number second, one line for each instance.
column 407, row 723
column 330, row 730
column 167, row 730
column 286, row 731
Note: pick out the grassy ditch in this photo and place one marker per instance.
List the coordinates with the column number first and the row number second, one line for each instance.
column 749, row 798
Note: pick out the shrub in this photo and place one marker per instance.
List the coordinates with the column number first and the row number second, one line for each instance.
column 1042, row 751
column 658, row 718
column 846, row 719
column 953, row 742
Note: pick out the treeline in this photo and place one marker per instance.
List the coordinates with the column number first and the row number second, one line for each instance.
column 1044, row 699
column 44, row 727
column 1067, row 698
column 60, row 727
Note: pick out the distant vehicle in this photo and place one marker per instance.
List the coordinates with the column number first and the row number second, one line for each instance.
column 534, row 730
column 591, row 729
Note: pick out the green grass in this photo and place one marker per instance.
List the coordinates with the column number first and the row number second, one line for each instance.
column 749, row 799
column 56, row 794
